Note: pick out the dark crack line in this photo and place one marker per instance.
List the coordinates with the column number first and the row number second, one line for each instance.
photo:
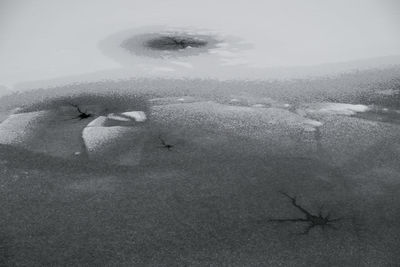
column 313, row 220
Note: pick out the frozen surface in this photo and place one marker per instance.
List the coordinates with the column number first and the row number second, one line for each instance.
column 127, row 199
column 20, row 128
column 119, row 154
column 338, row 108
column 96, row 137
column 117, row 117
column 109, row 142
column 139, row 116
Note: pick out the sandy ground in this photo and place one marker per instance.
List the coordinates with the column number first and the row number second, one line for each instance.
column 208, row 201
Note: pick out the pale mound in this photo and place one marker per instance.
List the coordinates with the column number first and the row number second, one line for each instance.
column 117, row 138
column 22, row 128
column 337, row 109
column 59, row 133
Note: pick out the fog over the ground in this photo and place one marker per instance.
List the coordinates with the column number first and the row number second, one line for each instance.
column 47, row 39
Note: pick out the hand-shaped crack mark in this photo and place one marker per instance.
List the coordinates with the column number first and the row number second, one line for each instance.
column 164, row 144
column 182, row 42
column 82, row 115
column 311, row 219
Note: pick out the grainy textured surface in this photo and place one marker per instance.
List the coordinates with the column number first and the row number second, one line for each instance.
column 209, row 199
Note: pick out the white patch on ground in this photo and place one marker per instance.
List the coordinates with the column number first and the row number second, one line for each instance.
column 117, row 117
column 311, row 125
column 115, row 144
column 100, row 121
column 337, row 109
column 96, row 134
column 172, row 100
column 247, row 100
column 96, row 137
column 17, row 128
column 241, row 120
column 139, row 116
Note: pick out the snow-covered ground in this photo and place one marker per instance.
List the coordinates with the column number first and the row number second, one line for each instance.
column 209, row 198
column 120, row 155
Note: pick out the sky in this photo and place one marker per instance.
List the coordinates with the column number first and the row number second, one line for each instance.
column 47, row 39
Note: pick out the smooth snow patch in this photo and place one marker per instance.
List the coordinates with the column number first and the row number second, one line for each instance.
column 313, row 123
column 339, row 109
column 116, row 117
column 136, row 115
column 173, row 100
column 99, row 121
column 240, row 120
column 96, row 137
column 115, row 143
column 120, row 145
column 17, row 128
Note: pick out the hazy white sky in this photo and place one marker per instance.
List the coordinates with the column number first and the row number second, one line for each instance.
column 45, row 39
